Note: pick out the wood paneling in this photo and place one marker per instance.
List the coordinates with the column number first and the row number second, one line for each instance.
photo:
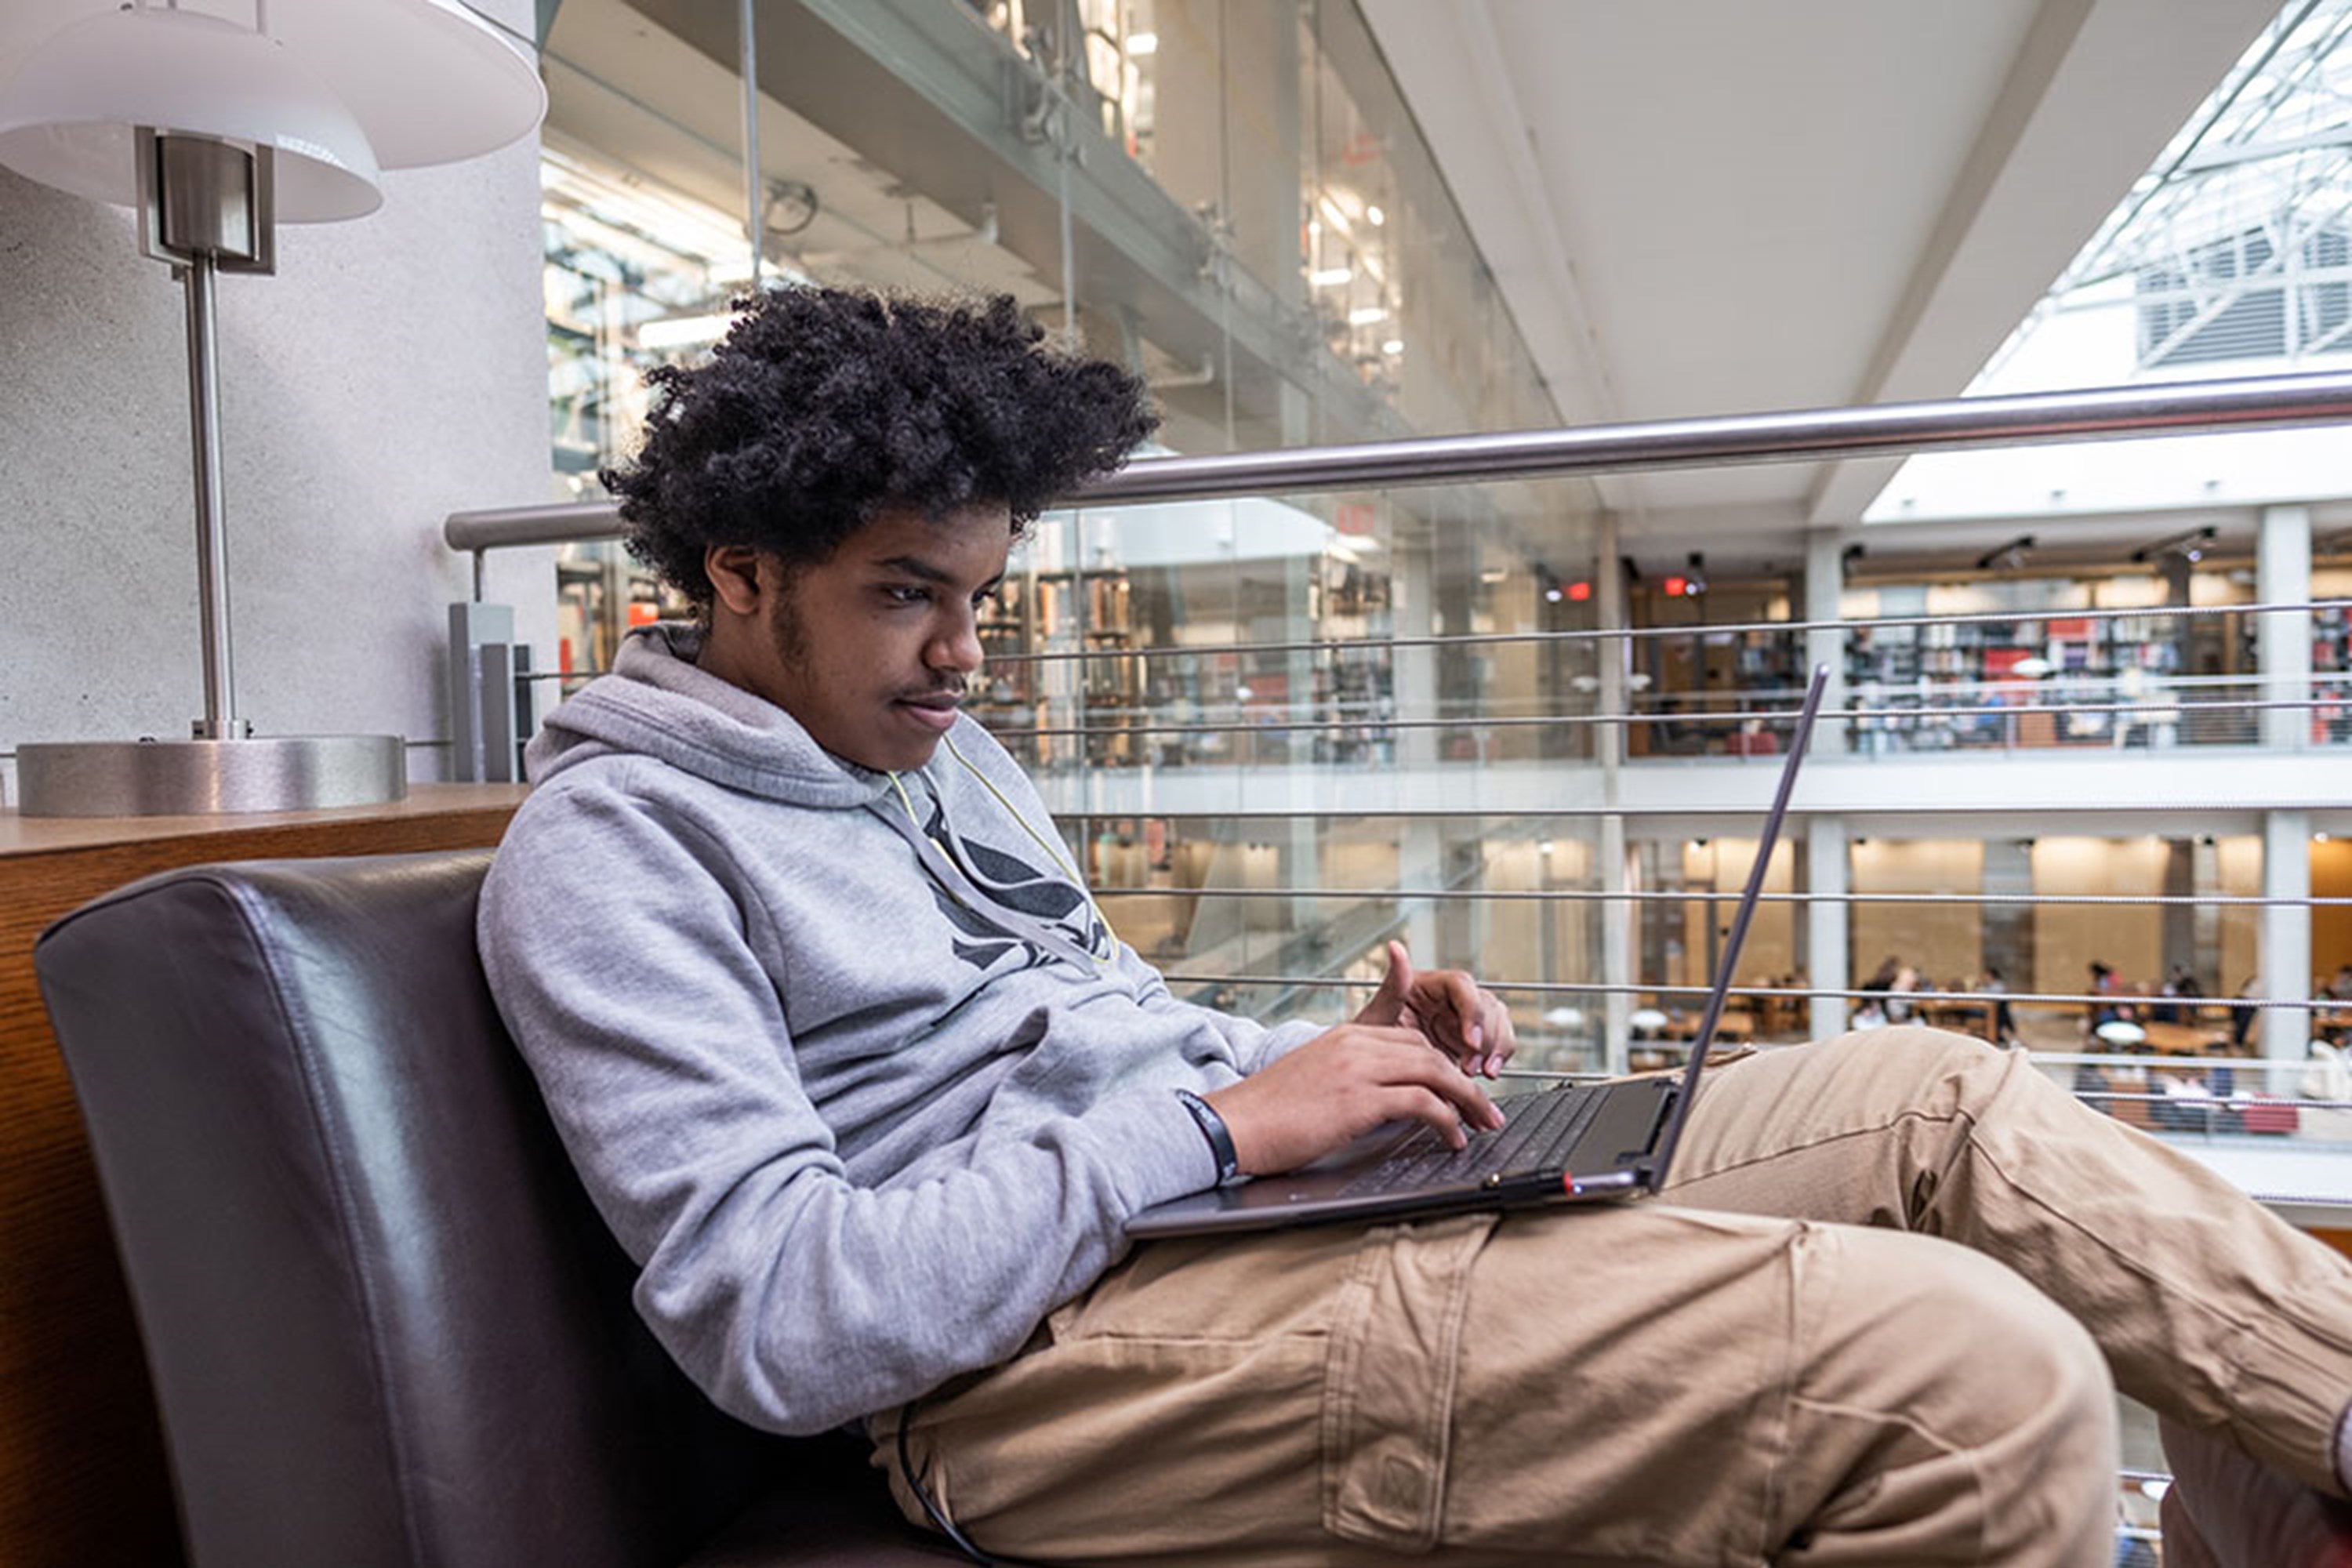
column 83, row 1475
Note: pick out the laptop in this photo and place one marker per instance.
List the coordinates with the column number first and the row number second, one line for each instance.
column 1579, row 1144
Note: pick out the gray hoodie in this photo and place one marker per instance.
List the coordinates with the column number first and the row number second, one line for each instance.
column 849, row 1063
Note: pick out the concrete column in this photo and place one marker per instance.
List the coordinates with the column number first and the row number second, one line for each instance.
column 2008, row 928
column 2180, row 921
column 1421, row 863
column 1413, row 597
column 1826, row 921
column 2285, row 953
column 2283, row 641
column 1824, row 582
column 1420, row 860
column 1609, row 743
column 2205, row 937
column 1303, row 854
column 1616, row 866
column 1619, row 874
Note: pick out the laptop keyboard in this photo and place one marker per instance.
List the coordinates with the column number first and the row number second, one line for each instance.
column 1538, row 1127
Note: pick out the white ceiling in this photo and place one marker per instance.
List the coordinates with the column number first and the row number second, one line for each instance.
column 1703, row 206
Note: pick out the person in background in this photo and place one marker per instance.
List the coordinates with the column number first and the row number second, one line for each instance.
column 2004, row 1023
column 2102, row 986
column 2180, row 981
column 2244, row 1021
column 1898, row 994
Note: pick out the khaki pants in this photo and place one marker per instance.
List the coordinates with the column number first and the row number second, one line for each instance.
column 1787, row 1361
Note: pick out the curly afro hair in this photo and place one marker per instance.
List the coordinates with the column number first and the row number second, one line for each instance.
column 824, row 407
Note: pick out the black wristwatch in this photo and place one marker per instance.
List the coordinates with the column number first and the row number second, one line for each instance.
column 1213, row 1127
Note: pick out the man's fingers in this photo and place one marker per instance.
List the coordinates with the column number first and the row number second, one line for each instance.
column 1403, row 1102
column 1392, row 999
column 1468, row 1022
column 1398, row 983
column 1463, row 1098
column 1461, row 994
column 1397, row 1058
column 1501, row 1038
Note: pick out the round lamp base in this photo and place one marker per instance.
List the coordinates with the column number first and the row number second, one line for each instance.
column 188, row 778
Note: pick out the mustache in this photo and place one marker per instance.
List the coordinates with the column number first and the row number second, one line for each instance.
column 955, row 689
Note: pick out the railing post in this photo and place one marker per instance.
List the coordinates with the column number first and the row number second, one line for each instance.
column 491, row 711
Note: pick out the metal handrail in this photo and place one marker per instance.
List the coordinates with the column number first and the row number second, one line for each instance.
column 1716, row 716
column 1643, row 446
column 1721, row 896
column 1893, row 429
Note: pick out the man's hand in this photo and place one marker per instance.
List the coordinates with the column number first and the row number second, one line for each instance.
column 1448, row 1009
column 1343, row 1082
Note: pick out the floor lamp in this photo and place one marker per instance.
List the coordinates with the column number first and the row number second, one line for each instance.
column 215, row 125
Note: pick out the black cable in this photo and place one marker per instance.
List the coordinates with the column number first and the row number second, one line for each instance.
column 940, row 1521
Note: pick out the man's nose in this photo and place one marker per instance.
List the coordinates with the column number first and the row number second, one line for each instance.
column 957, row 646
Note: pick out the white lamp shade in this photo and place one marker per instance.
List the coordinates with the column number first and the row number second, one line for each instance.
column 424, row 81
column 430, row 81
column 67, row 112
column 2121, row 1032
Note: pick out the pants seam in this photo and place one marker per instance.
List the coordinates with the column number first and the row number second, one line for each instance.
column 1964, row 1452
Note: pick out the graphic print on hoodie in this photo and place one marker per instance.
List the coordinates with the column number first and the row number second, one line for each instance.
column 1015, row 884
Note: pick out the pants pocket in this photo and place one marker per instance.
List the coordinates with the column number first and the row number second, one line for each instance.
column 1390, row 1369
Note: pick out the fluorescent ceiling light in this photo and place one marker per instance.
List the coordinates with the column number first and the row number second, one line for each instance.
column 1393, row 346
column 1141, row 44
column 1375, row 214
column 1330, row 277
column 1364, row 316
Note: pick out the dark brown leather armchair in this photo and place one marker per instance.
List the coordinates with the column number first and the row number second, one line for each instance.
column 384, row 1322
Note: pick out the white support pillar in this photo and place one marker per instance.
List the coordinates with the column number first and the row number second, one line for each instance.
column 2283, row 641
column 1413, row 597
column 1303, row 858
column 1619, row 874
column 1826, row 922
column 1615, row 657
column 1421, row 863
column 1824, row 587
column 1614, row 858
column 2285, row 951
column 1421, row 856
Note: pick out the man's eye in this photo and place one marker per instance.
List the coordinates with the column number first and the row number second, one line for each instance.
column 906, row 595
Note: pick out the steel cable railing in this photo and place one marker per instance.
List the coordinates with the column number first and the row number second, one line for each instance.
column 1875, row 718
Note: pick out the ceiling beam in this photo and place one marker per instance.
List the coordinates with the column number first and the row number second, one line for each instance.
column 1449, row 63
column 2098, row 88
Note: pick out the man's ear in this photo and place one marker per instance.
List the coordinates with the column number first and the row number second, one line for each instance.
column 734, row 574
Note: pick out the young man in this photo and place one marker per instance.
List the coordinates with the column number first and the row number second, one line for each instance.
column 864, row 1084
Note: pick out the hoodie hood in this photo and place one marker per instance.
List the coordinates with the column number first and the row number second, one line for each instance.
column 656, row 702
